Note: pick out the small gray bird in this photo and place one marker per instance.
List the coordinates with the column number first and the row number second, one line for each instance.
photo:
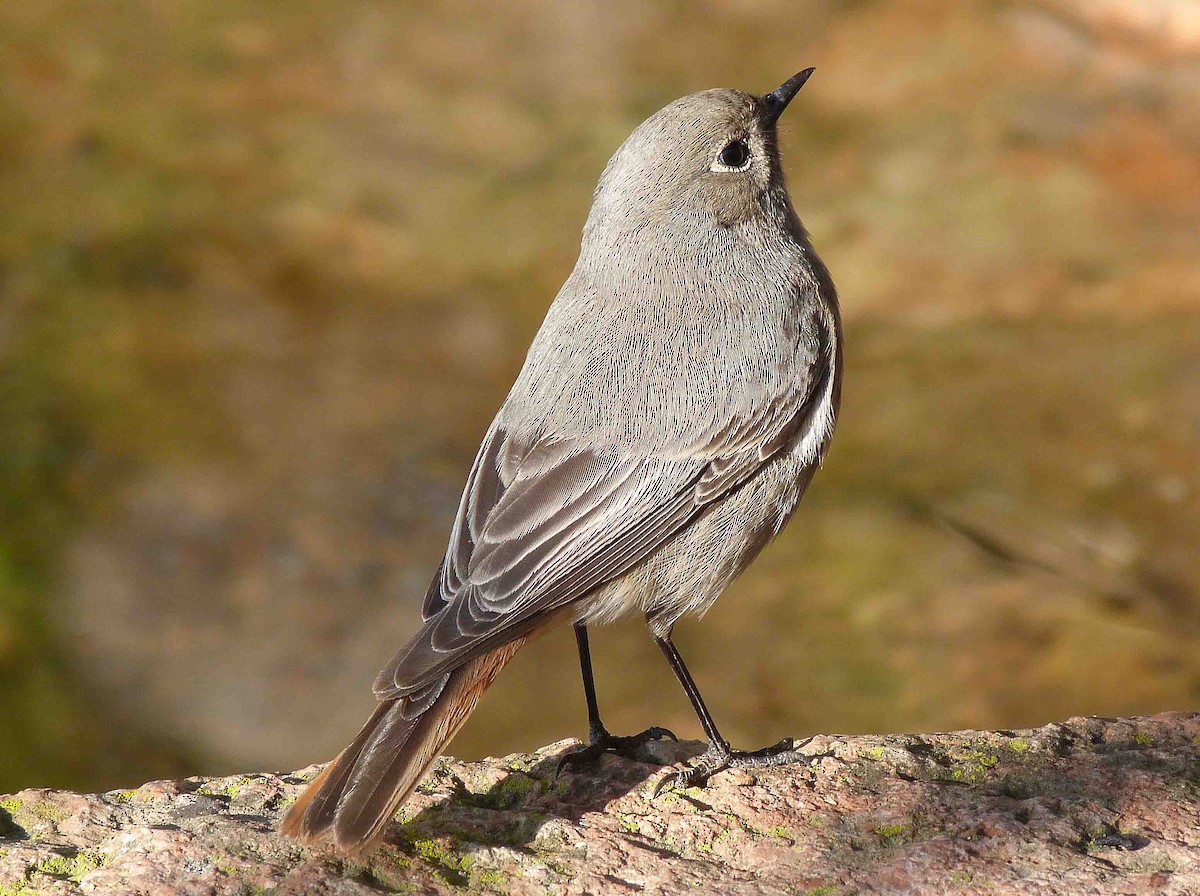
column 676, row 402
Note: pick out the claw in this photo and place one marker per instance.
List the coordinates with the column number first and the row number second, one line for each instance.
column 657, row 733
column 680, row 780
column 689, row 776
column 606, row 743
column 662, row 785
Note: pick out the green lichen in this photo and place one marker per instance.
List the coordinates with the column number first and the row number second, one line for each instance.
column 524, row 764
column 123, row 796
column 1143, row 738
column 1018, row 745
column 894, row 834
column 489, row 879
column 452, row 866
column 876, row 752
column 55, row 866
column 230, row 791
column 961, row 877
column 973, row 765
column 780, row 830
column 72, row 867
column 40, row 810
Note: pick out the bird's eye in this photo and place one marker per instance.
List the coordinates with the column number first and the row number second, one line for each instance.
column 734, row 157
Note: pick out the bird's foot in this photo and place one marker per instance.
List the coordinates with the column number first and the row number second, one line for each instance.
column 719, row 758
column 602, row 742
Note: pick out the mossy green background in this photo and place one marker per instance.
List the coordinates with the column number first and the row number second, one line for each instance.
column 266, row 272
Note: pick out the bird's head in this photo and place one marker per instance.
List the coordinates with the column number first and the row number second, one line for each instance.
column 711, row 156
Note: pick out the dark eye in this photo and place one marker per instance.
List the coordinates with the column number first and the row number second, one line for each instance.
column 735, row 155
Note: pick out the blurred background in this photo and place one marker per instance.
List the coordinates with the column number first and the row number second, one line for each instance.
column 267, row 270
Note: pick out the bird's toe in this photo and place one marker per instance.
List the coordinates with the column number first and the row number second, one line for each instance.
column 627, row 746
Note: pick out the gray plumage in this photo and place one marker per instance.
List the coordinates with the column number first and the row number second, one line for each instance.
column 671, row 411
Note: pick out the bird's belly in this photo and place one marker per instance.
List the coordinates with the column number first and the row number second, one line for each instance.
column 687, row 574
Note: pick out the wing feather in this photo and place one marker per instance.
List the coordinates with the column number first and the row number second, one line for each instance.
column 544, row 521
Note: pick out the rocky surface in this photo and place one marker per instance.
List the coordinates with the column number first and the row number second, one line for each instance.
column 1087, row 806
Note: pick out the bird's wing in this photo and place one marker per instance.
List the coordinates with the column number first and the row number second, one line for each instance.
column 570, row 518
column 543, row 524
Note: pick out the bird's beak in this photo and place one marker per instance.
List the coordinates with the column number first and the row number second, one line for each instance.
column 777, row 100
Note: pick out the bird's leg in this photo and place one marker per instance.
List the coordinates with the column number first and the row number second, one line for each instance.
column 596, row 730
column 599, row 740
column 718, row 756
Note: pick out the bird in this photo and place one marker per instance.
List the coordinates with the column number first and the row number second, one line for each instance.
column 671, row 411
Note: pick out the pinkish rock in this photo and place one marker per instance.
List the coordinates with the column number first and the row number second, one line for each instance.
column 1087, row 806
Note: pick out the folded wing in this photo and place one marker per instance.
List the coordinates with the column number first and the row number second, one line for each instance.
column 544, row 522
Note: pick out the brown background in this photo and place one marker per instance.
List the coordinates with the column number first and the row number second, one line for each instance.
column 266, row 271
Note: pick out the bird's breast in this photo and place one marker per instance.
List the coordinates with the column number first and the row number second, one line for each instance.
column 659, row 364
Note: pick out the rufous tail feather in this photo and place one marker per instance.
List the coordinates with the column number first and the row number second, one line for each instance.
column 354, row 797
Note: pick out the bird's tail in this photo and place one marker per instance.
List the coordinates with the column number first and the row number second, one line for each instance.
column 353, row 799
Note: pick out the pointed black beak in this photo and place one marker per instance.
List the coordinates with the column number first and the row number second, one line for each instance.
column 777, row 100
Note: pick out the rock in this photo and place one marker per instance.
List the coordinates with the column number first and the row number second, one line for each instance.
column 1086, row 806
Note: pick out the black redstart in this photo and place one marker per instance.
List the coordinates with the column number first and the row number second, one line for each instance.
column 676, row 402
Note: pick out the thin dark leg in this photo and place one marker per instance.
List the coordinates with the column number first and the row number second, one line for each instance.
column 599, row 740
column 719, row 757
column 689, row 687
column 596, row 730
